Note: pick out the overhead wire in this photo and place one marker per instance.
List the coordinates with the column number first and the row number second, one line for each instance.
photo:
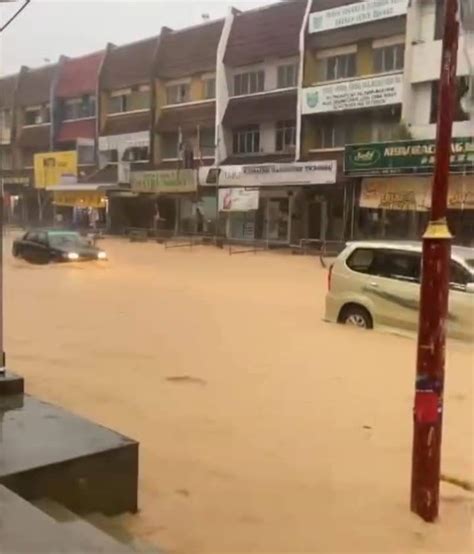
column 14, row 16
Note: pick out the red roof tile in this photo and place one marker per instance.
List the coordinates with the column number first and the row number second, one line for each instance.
column 270, row 32
column 79, row 76
column 72, row 130
column 189, row 51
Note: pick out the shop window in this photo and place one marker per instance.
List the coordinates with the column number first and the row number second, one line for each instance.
column 462, row 90
column 285, row 136
column 178, row 94
column 389, row 58
column 288, row 75
column 343, row 66
column 246, row 140
column 169, row 146
column 209, row 88
column 249, row 82
column 334, row 134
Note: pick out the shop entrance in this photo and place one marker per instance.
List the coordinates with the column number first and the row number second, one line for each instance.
column 317, row 219
column 278, row 219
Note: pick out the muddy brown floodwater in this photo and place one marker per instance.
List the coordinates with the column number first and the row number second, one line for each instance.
column 262, row 429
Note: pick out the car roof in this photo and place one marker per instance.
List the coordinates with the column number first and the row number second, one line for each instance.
column 464, row 252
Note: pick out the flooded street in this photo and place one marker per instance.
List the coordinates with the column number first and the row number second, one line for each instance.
column 261, row 428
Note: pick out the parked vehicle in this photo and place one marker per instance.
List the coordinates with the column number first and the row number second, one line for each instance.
column 377, row 284
column 43, row 246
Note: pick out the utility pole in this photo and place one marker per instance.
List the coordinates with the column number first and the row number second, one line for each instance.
column 428, row 409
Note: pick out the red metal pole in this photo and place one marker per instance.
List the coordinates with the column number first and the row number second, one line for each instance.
column 428, row 409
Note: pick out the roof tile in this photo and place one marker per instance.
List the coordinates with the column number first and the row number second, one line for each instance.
column 79, row 76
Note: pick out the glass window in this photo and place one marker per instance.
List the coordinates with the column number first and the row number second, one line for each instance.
column 139, row 99
column 85, row 154
column 389, row 58
column 207, row 139
column 285, row 136
column 33, row 116
column 459, row 113
column 361, row 260
column 249, row 82
column 246, row 140
column 391, row 264
column 136, row 154
column 118, row 104
column 169, row 145
column 209, row 88
column 287, row 75
column 178, row 94
column 341, row 67
column 334, row 134
column 459, row 276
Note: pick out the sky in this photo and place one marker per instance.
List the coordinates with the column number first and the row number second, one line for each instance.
column 49, row 28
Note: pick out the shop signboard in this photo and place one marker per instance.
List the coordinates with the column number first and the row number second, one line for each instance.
column 414, row 193
column 55, row 168
column 268, row 174
column 356, row 14
column 79, row 199
column 354, row 94
column 165, row 181
column 238, row 200
column 405, row 157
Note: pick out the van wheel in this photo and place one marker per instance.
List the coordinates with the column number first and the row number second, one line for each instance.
column 356, row 316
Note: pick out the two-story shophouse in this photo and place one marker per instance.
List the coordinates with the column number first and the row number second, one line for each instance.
column 125, row 122
column 257, row 92
column 184, row 128
column 352, row 91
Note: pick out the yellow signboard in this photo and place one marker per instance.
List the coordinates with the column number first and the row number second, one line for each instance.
column 55, row 168
column 80, row 199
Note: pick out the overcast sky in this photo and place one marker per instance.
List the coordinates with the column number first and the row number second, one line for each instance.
column 49, row 28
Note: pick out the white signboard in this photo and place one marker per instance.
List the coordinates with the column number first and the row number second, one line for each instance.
column 261, row 175
column 238, row 200
column 355, row 14
column 354, row 94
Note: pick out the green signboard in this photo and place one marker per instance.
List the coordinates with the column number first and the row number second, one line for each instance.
column 165, row 181
column 405, row 157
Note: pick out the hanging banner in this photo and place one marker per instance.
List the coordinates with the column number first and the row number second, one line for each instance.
column 414, row 193
column 55, row 168
column 404, row 157
column 353, row 94
column 356, row 14
column 238, row 200
column 164, row 181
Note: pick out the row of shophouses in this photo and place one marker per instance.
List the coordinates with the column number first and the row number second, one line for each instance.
column 307, row 119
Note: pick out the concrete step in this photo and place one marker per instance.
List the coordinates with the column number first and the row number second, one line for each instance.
column 92, row 539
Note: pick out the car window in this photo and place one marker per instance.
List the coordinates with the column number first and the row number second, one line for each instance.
column 42, row 238
column 388, row 263
column 459, row 276
column 361, row 260
column 31, row 236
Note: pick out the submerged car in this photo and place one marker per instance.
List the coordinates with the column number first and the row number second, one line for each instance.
column 44, row 246
column 377, row 284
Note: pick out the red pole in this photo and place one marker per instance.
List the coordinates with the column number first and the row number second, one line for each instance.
column 428, row 409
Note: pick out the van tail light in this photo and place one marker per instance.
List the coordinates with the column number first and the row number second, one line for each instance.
column 330, row 277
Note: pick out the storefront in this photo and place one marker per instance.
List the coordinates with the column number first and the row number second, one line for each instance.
column 395, row 189
column 20, row 207
column 267, row 201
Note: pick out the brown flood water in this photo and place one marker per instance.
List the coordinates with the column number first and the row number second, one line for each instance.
column 262, row 429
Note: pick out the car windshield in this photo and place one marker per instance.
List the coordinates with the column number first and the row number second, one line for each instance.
column 67, row 240
column 470, row 264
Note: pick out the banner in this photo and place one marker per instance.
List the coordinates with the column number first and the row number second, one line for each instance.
column 55, row 168
column 164, row 181
column 353, row 94
column 414, row 193
column 261, row 175
column 238, row 200
column 405, row 157
column 356, row 14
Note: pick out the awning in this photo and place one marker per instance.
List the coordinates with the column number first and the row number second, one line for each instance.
column 187, row 118
column 414, row 193
column 260, row 108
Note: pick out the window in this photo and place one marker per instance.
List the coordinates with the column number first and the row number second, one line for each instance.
column 209, row 88
column 249, row 82
column 391, row 264
column 109, row 156
column 78, row 108
column 178, row 94
column 6, row 161
column 287, row 75
column 169, row 146
column 389, row 58
column 459, row 276
column 459, row 113
column 285, row 136
column 136, row 154
column 5, row 125
column 85, row 154
column 33, row 116
column 140, row 99
column 118, row 103
column 246, row 140
column 334, row 134
column 207, row 139
column 341, row 67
